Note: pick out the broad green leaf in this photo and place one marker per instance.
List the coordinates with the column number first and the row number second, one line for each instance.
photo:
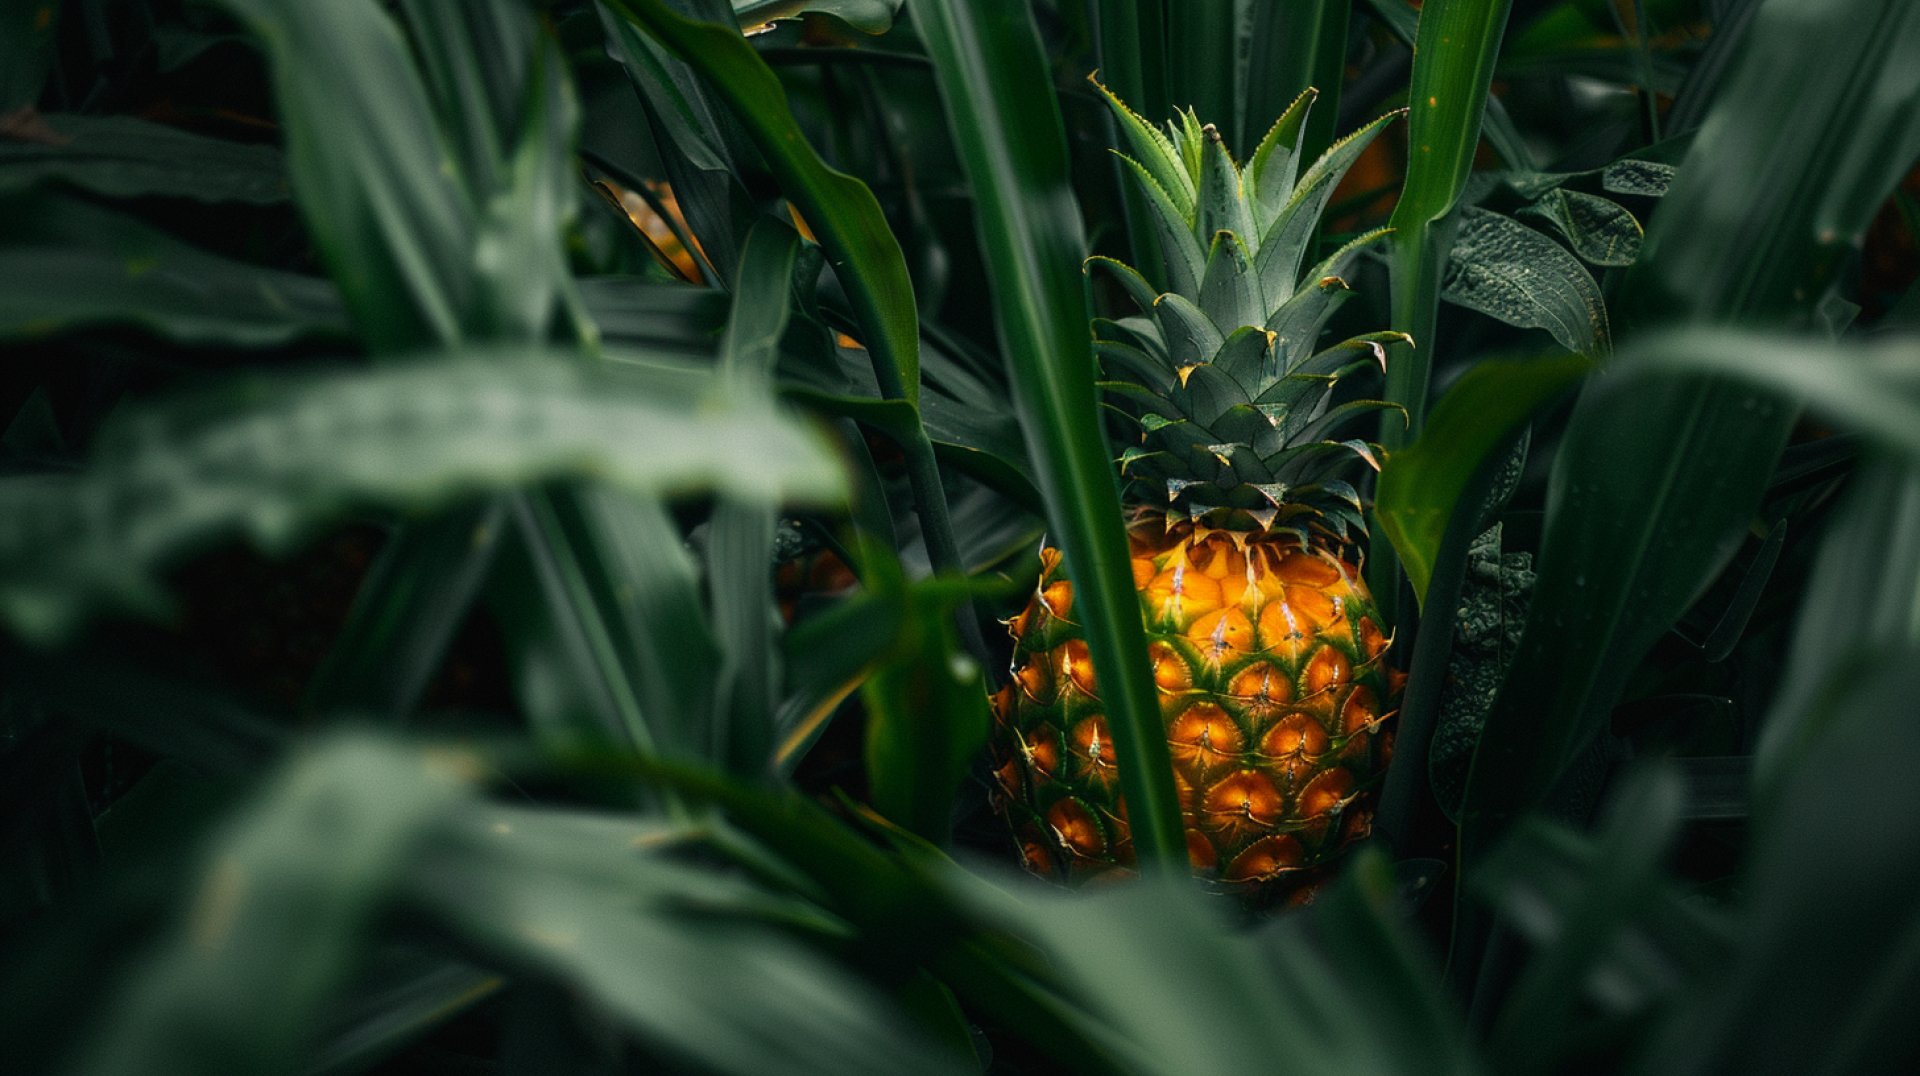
column 1159, row 961
column 1652, row 491
column 667, row 949
column 371, row 170
column 1824, row 960
column 1539, row 1014
column 1421, row 485
column 1860, row 608
column 125, row 157
column 1871, row 388
column 1508, row 271
column 72, row 265
column 272, row 457
column 1600, row 231
column 278, row 913
column 1000, row 111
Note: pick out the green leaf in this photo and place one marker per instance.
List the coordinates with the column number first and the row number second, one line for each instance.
column 1600, row 231
column 668, row 950
column 1508, row 271
column 864, row 254
column 1538, row 1015
column 1825, row 959
column 385, row 208
column 279, row 909
column 1159, row 960
column 1871, row 388
column 1421, row 486
column 994, row 82
column 1153, row 151
column 1284, row 246
column 27, row 30
column 72, row 265
column 926, row 712
column 841, row 210
column 1859, row 611
column 740, row 534
column 125, row 157
column 1454, row 51
column 271, row 458
column 1652, row 491
column 1299, row 47
column 1662, row 936
column 414, row 598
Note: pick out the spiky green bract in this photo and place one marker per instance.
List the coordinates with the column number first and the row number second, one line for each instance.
column 1222, row 368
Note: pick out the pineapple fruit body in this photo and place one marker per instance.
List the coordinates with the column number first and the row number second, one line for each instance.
column 1268, row 652
column 1268, row 655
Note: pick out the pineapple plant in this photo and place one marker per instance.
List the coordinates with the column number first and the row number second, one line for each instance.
column 1268, row 652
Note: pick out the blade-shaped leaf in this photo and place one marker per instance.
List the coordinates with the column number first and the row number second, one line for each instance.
column 999, row 102
column 271, row 458
column 1652, row 491
column 73, row 265
column 126, row 157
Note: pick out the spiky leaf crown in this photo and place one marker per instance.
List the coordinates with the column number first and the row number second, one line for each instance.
column 1221, row 370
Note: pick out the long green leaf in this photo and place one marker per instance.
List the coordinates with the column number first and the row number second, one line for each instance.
column 1652, row 490
column 1421, row 485
column 994, row 81
column 667, row 949
column 412, row 602
column 1827, row 960
column 841, row 210
column 864, row 254
column 927, row 718
column 1862, row 605
column 272, row 457
column 73, row 265
column 740, row 535
column 125, row 157
column 393, row 226
column 277, row 916
column 1453, row 59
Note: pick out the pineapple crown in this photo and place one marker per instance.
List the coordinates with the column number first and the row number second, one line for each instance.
column 1221, row 371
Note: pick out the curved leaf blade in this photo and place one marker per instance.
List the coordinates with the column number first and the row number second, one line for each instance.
column 270, row 458
column 1000, row 109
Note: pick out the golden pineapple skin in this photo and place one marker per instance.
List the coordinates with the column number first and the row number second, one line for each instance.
column 1269, row 659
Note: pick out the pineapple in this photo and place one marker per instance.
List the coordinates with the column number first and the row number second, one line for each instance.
column 1268, row 652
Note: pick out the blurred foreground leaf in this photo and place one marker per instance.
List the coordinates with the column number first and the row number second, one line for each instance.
column 273, row 457
column 73, row 265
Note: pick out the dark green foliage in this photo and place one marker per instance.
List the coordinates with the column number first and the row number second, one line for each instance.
column 440, row 631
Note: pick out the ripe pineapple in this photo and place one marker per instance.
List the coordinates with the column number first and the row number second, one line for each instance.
column 1266, row 647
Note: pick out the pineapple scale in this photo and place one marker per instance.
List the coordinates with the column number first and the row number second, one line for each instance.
column 1268, row 658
